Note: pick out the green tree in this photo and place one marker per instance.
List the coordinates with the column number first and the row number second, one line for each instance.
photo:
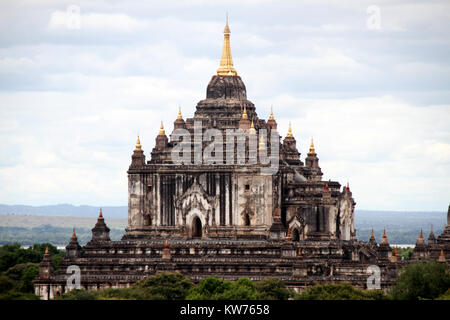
column 209, row 289
column 169, row 286
column 242, row 289
column 5, row 284
column 421, row 281
column 273, row 289
column 334, row 291
column 78, row 294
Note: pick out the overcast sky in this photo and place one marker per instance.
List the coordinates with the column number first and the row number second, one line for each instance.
column 370, row 84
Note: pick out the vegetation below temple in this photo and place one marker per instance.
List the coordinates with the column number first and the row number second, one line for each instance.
column 19, row 266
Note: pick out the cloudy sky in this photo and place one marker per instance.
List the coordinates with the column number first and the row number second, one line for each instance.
column 80, row 79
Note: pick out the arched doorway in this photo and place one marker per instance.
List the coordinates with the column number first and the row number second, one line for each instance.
column 196, row 228
column 295, row 236
column 246, row 220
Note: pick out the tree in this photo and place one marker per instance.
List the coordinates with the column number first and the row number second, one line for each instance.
column 334, row 291
column 421, row 281
column 273, row 289
column 209, row 289
column 241, row 289
column 169, row 286
column 78, row 294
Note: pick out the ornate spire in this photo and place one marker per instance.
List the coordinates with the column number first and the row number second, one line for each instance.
column 179, row 117
column 101, row 214
column 244, row 114
column 289, row 134
column 161, row 130
column 138, row 144
column 271, row 114
column 441, row 256
column 262, row 144
column 46, row 250
column 311, row 147
column 384, row 239
column 166, row 245
column 226, row 67
column 348, row 190
column 371, row 235
column 252, row 129
column 74, row 235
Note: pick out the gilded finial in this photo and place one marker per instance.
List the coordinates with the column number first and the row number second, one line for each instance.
column 311, row 147
column 252, row 129
column 101, row 214
column 421, row 235
column 289, row 134
column 46, row 249
column 161, row 130
column 180, row 117
column 371, row 235
column 244, row 114
column 138, row 144
column 262, row 144
column 73, row 233
column 166, row 245
column 226, row 67
column 271, row 114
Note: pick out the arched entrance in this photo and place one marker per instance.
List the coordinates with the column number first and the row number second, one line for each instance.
column 196, row 228
column 295, row 236
column 246, row 220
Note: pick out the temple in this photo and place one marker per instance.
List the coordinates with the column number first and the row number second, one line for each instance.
column 225, row 195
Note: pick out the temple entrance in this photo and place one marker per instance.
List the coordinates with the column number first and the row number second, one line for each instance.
column 295, row 235
column 246, row 220
column 196, row 228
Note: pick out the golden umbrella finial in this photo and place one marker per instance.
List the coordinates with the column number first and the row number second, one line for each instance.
column 289, row 134
column 244, row 114
column 101, row 214
column 271, row 114
column 73, row 233
column 180, row 117
column 226, row 67
column 252, row 129
column 161, row 130
column 138, row 144
column 46, row 249
column 311, row 147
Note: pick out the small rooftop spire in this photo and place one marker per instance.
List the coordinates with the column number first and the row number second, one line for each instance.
column 179, row 117
column 226, row 67
column 161, row 130
column 371, row 235
column 100, row 215
column 74, row 235
column 311, row 147
column 289, row 134
column 271, row 114
column 421, row 235
column 46, row 250
column 244, row 114
column 166, row 245
column 138, row 144
column 348, row 187
column 252, row 129
column 262, row 144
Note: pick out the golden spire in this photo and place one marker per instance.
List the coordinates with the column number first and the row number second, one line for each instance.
column 138, row 144
column 441, row 254
column 73, row 233
column 371, row 235
column 311, row 147
column 252, row 129
column 101, row 214
column 46, row 249
column 289, row 134
column 226, row 62
column 161, row 130
column 262, row 144
column 271, row 114
column 180, row 117
column 166, row 245
column 244, row 115
column 421, row 235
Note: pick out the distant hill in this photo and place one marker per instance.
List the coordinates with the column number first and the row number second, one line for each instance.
column 401, row 227
column 64, row 210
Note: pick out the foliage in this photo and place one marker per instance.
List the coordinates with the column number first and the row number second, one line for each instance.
column 444, row 296
column 241, row 289
column 13, row 254
column 422, row 281
column 22, row 275
column 169, row 286
column 78, row 294
column 273, row 289
column 405, row 253
column 209, row 289
column 343, row 291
